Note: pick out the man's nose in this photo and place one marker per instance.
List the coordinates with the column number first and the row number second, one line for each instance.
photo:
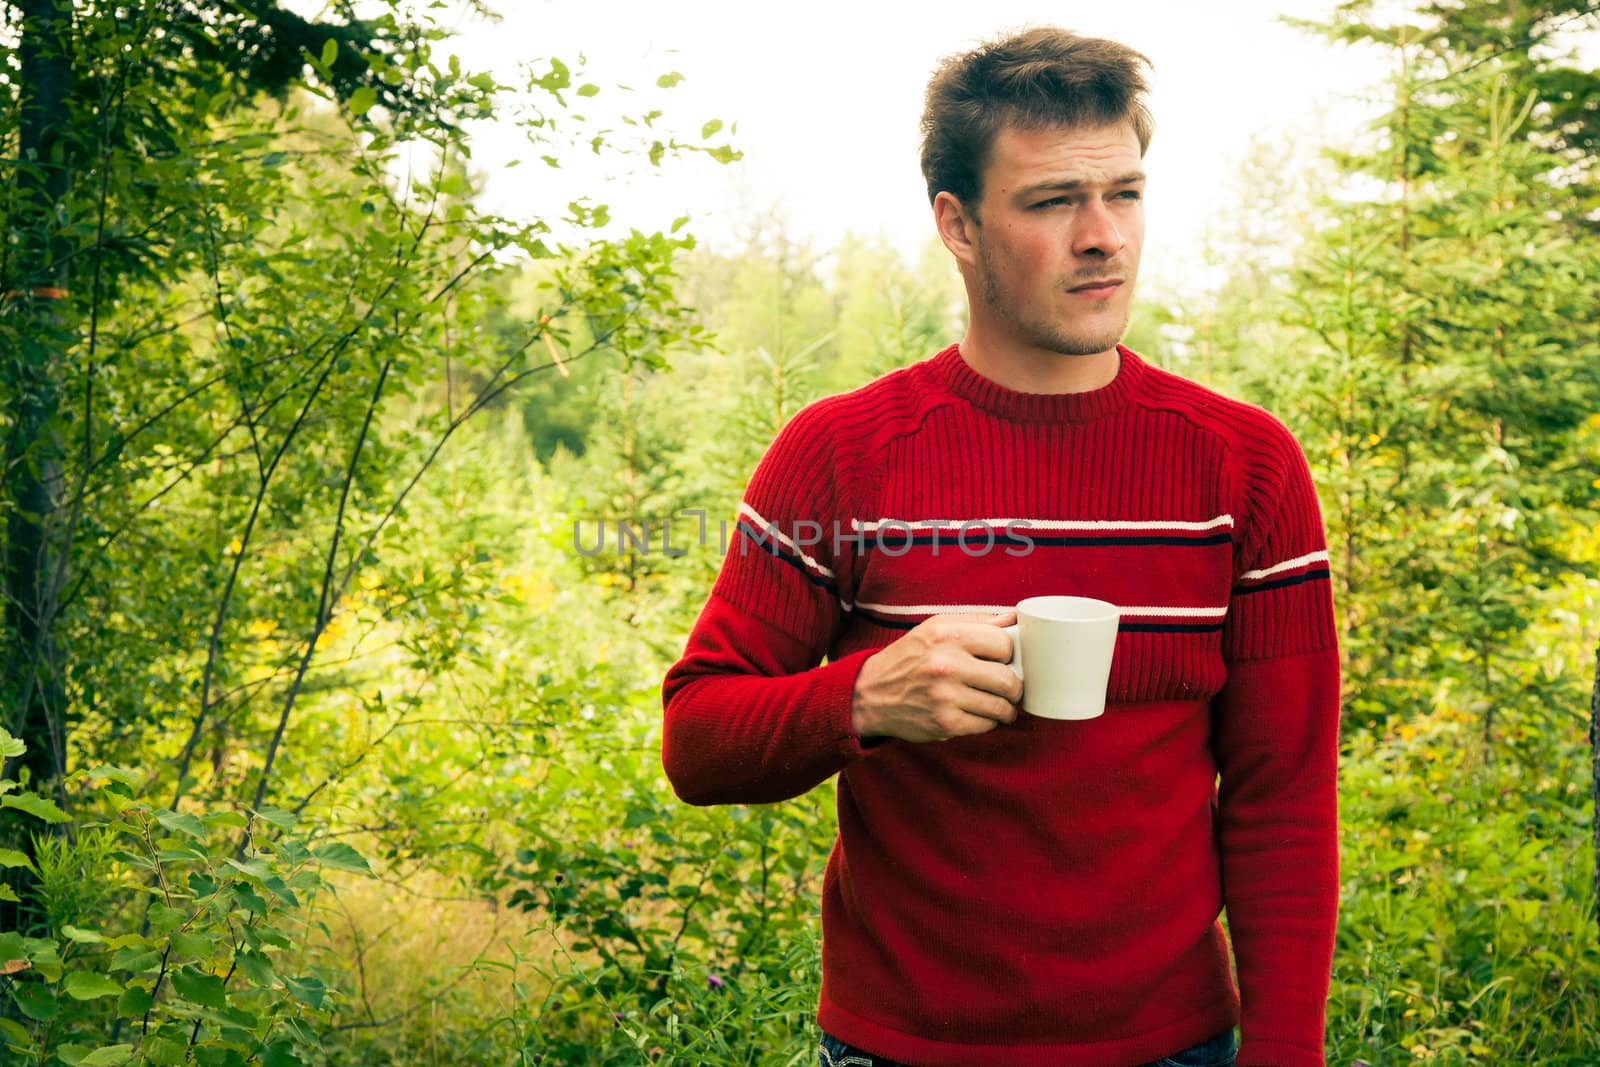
column 1096, row 232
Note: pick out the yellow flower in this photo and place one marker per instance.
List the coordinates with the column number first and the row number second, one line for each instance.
column 336, row 626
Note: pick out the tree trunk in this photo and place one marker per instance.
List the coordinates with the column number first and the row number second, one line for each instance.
column 33, row 290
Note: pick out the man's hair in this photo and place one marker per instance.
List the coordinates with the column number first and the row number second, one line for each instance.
column 1031, row 80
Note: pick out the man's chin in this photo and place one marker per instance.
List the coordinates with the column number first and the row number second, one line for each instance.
column 1080, row 346
column 1090, row 339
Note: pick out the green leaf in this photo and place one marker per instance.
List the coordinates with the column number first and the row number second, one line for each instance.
column 231, row 819
column 669, row 79
column 42, row 954
column 362, row 100
column 249, row 899
column 135, row 1001
column 203, row 989
column 163, row 1052
column 175, row 851
column 108, row 1056
column 710, row 128
column 16, row 1034
column 10, row 746
column 101, row 775
column 342, row 857
column 330, row 52
column 135, row 960
column 280, row 889
column 588, row 89
column 181, row 823
column 122, row 941
column 82, row 937
column 36, row 1000
column 34, row 804
column 252, row 868
column 195, row 946
column 7, row 893
column 279, row 1054
column 307, row 990
column 11, row 947
column 256, row 968
column 90, row 985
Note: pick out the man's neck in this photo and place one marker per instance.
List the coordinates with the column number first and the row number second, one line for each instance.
column 1026, row 369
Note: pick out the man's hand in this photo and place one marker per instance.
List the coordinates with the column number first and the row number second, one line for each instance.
column 945, row 678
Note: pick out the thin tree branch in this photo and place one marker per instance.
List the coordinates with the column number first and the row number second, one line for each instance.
column 325, row 604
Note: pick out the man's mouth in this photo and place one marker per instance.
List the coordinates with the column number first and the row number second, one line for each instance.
column 1098, row 290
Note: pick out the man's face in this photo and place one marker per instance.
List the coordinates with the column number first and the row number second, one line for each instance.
column 1060, row 227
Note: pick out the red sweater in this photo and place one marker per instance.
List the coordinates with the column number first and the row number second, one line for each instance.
column 1048, row 892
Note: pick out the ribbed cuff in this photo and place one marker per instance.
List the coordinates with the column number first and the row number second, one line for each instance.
column 836, row 688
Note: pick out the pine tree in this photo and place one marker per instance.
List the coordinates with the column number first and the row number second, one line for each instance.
column 1445, row 360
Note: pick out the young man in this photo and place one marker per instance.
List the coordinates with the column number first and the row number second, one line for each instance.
column 1010, row 890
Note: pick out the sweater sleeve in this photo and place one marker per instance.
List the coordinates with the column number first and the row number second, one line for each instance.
column 1276, row 736
column 750, row 717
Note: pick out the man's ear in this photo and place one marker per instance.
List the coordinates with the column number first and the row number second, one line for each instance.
column 958, row 228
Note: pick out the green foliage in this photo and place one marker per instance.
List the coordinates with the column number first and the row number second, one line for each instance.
column 176, row 930
column 256, row 319
column 892, row 314
column 390, row 788
column 1467, row 928
column 1422, row 327
column 1444, row 379
column 669, row 923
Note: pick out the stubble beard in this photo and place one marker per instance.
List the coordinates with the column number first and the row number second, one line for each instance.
column 1040, row 332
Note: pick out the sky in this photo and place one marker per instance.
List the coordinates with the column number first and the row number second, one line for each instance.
column 826, row 98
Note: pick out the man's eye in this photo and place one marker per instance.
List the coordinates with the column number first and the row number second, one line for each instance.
column 1130, row 194
column 1052, row 202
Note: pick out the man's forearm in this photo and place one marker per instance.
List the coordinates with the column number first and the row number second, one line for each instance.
column 750, row 718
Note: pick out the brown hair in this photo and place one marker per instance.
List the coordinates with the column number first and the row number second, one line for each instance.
column 1033, row 79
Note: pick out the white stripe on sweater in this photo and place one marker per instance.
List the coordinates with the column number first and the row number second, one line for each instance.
column 1286, row 565
column 1045, row 524
column 778, row 535
column 1000, row 609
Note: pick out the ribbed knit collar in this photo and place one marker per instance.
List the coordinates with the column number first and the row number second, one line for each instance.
column 954, row 373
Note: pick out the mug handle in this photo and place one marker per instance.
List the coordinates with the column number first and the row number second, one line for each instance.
column 1015, row 663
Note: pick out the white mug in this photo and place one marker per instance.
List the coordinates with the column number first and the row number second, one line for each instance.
column 1066, row 642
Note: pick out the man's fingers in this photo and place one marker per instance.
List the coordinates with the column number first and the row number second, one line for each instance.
column 987, row 706
column 962, row 723
column 981, row 635
column 996, row 678
column 988, row 643
column 986, row 618
column 948, row 680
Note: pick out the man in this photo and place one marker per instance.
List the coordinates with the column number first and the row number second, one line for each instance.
column 1006, row 889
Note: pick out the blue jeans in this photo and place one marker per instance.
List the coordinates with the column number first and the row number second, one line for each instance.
column 1218, row 1052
